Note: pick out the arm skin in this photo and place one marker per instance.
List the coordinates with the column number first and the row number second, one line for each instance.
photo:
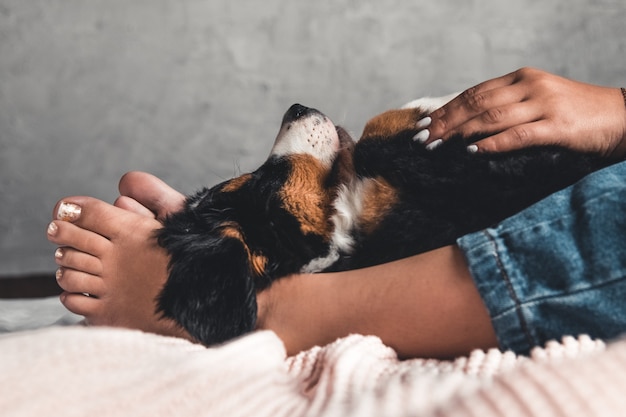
column 423, row 306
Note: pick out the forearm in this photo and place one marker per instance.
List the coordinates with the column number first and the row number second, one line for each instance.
column 621, row 148
column 425, row 305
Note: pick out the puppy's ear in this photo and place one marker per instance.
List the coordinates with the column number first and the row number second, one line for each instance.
column 210, row 290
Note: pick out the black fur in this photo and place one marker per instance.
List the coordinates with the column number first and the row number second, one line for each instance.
column 447, row 193
column 443, row 194
column 211, row 290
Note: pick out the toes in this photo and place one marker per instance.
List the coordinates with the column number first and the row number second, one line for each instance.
column 151, row 192
column 133, row 205
column 96, row 216
column 80, row 304
column 78, row 282
column 78, row 260
column 70, row 235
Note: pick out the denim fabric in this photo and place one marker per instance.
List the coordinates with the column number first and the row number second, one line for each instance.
column 557, row 268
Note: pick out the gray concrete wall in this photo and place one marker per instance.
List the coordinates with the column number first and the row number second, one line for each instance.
column 193, row 91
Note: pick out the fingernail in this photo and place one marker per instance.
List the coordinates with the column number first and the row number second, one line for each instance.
column 52, row 229
column 472, row 148
column 68, row 212
column 59, row 274
column 434, row 145
column 58, row 254
column 422, row 136
column 424, row 123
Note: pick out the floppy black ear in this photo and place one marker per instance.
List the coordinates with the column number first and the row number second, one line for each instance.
column 210, row 290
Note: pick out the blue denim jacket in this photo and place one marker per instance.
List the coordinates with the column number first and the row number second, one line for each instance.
column 557, row 268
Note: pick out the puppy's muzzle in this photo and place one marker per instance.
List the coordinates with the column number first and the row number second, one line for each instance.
column 307, row 131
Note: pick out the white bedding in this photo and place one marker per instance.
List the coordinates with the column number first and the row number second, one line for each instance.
column 81, row 371
column 33, row 313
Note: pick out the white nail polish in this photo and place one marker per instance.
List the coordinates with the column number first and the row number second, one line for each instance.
column 68, row 212
column 472, row 149
column 422, row 136
column 59, row 274
column 424, row 123
column 434, row 145
column 52, row 229
column 58, row 254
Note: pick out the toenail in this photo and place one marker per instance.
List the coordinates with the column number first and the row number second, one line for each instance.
column 59, row 273
column 68, row 212
column 52, row 229
column 58, row 254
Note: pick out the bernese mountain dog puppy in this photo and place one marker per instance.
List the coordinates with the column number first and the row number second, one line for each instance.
column 324, row 203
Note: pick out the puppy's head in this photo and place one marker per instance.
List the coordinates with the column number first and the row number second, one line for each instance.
column 237, row 237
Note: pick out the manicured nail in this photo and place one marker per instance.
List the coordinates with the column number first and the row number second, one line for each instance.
column 424, row 123
column 68, row 212
column 58, row 254
column 472, row 148
column 422, row 136
column 434, row 145
column 59, row 273
column 52, row 229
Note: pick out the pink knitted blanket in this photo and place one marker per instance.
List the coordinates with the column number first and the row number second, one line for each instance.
column 78, row 371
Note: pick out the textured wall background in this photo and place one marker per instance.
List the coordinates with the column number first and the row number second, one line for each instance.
column 193, row 91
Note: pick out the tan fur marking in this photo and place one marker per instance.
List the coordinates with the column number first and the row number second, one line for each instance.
column 236, row 183
column 257, row 262
column 392, row 122
column 378, row 198
column 304, row 196
column 231, row 231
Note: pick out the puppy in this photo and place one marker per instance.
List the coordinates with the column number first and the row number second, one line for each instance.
column 321, row 202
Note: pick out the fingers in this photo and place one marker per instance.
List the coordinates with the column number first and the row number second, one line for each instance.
column 478, row 111
column 498, row 119
column 150, row 192
column 516, row 137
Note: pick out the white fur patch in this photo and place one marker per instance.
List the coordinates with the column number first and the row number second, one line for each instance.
column 348, row 207
column 430, row 104
column 349, row 202
column 321, row 263
column 314, row 135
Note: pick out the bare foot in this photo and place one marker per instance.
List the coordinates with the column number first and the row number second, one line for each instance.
column 146, row 194
column 111, row 254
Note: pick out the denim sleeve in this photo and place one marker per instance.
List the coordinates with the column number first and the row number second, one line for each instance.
column 557, row 268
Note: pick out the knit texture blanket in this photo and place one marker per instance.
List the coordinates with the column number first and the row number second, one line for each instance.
column 80, row 371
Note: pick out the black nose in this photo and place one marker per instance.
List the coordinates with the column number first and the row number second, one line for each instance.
column 297, row 111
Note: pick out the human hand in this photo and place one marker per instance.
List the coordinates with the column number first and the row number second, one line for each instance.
column 532, row 107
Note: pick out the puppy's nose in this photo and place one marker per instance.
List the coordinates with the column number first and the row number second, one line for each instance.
column 297, row 111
